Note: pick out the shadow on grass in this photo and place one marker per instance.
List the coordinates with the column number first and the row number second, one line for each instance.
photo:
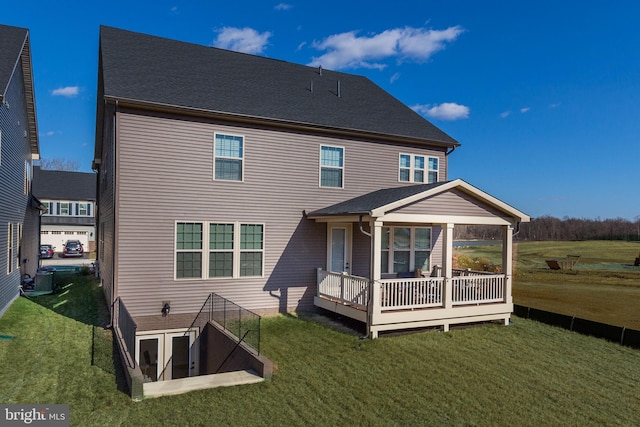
column 80, row 297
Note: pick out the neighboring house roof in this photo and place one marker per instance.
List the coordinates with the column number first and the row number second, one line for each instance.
column 160, row 72
column 381, row 202
column 15, row 52
column 63, row 185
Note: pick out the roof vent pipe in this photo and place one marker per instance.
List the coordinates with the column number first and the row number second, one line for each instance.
column 311, row 86
column 320, row 69
column 339, row 95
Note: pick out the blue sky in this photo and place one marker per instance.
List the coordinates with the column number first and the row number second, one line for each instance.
column 544, row 96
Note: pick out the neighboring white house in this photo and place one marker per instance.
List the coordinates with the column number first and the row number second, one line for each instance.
column 70, row 198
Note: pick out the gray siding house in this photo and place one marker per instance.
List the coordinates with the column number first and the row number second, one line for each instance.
column 70, row 199
column 19, row 210
column 279, row 187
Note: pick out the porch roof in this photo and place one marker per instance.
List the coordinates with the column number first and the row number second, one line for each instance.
column 382, row 202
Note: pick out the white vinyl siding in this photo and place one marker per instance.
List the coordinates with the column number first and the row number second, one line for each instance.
column 405, row 249
column 228, row 157
column 331, row 166
column 417, row 168
column 219, row 250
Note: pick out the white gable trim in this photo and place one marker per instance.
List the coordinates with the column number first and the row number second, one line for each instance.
column 457, row 184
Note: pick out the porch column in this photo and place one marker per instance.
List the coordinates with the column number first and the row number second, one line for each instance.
column 507, row 261
column 374, row 310
column 447, row 260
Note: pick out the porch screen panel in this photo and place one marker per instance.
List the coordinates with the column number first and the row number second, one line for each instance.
column 188, row 250
column 401, row 249
column 422, row 248
column 221, row 250
column 384, row 256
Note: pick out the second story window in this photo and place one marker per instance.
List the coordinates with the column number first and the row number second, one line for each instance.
column 331, row 166
column 228, row 157
column 64, row 208
column 419, row 169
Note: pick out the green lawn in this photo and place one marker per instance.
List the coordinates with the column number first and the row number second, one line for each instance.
column 603, row 286
column 525, row 374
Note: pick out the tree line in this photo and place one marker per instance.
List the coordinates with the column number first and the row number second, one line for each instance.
column 551, row 228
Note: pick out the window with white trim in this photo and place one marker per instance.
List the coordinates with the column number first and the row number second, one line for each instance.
column 331, row 166
column 18, row 255
column 219, row 250
column 228, row 157
column 10, row 248
column 417, row 168
column 189, row 246
column 405, row 249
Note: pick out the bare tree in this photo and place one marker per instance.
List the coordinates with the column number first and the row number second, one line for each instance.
column 58, row 164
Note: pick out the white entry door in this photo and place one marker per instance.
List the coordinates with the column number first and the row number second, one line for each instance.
column 339, row 248
column 166, row 355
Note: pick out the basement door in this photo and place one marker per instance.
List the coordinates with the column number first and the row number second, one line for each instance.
column 166, row 355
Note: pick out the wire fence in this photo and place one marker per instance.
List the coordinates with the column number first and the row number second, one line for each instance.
column 618, row 334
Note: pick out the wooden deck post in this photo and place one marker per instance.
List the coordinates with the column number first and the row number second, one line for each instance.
column 507, row 262
column 447, row 260
column 374, row 309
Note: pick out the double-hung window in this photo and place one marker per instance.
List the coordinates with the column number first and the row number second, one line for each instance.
column 228, row 250
column 228, row 157
column 405, row 249
column 10, row 248
column 331, row 166
column 189, row 250
column 416, row 168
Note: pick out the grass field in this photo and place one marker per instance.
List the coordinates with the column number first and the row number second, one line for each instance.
column 603, row 286
column 525, row 374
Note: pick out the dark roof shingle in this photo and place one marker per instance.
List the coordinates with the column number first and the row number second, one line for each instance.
column 11, row 41
column 63, row 185
column 366, row 203
column 149, row 69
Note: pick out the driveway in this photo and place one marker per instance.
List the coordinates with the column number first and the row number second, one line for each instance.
column 58, row 260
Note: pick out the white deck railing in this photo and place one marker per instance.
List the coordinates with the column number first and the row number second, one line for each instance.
column 413, row 293
column 420, row 292
column 480, row 289
column 346, row 289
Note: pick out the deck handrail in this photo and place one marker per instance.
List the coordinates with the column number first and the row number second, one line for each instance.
column 415, row 292
column 479, row 289
column 345, row 288
column 410, row 293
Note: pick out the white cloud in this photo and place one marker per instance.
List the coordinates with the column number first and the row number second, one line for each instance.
column 505, row 114
column 348, row 50
column 444, row 111
column 524, row 109
column 555, row 105
column 68, row 91
column 395, row 77
column 282, row 6
column 245, row 40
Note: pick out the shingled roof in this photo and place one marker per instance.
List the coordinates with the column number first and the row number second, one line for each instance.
column 15, row 53
column 12, row 40
column 161, row 72
column 63, row 185
column 366, row 203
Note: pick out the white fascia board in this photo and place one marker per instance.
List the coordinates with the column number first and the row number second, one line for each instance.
column 444, row 219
